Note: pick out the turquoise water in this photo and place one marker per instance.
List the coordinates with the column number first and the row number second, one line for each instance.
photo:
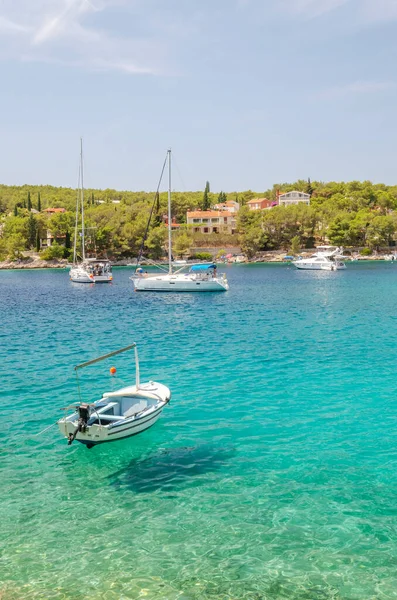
column 272, row 474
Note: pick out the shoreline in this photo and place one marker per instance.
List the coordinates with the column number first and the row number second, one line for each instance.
column 28, row 264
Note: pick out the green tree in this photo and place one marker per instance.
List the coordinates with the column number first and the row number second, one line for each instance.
column 15, row 210
column 38, row 202
column 29, row 202
column 55, row 251
column 31, row 231
column 15, row 246
column 380, row 231
column 157, row 218
column 222, row 198
column 38, row 245
column 155, row 242
column 206, row 203
column 182, row 243
column 295, row 245
column 253, row 240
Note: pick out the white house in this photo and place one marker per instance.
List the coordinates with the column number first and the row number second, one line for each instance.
column 212, row 221
column 230, row 206
column 293, row 198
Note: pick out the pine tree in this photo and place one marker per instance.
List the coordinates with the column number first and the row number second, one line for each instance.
column 206, row 199
column 157, row 216
column 15, row 210
column 38, row 202
column 67, row 240
column 309, row 188
column 37, row 240
column 24, row 204
column 32, row 231
column 29, row 202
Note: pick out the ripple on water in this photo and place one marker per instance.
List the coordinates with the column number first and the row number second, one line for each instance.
column 271, row 475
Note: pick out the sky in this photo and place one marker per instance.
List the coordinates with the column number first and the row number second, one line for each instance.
column 247, row 93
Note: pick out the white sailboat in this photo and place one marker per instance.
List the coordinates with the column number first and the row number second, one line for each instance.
column 119, row 414
column 199, row 278
column 89, row 270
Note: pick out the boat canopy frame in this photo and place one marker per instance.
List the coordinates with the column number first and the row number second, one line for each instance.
column 109, row 355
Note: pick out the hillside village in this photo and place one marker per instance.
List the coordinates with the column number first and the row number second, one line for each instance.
column 41, row 220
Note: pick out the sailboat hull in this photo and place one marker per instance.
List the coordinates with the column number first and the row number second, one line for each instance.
column 179, row 283
column 80, row 276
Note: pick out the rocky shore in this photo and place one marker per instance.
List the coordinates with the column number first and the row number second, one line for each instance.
column 262, row 257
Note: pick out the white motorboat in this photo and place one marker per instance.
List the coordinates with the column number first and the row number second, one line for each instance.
column 199, row 278
column 88, row 270
column 117, row 415
column 325, row 259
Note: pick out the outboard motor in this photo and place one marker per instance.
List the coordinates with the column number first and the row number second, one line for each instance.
column 84, row 415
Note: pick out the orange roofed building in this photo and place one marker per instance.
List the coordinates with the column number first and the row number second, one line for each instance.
column 52, row 211
column 212, row 221
column 260, row 203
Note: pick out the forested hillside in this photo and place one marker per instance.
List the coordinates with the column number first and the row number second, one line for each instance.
column 350, row 214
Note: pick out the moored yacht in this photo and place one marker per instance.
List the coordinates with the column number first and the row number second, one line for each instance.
column 325, row 259
column 87, row 270
column 199, row 277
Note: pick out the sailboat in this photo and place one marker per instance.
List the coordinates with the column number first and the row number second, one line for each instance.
column 118, row 414
column 89, row 270
column 199, row 278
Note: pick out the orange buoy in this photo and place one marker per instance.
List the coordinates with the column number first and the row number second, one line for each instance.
column 112, row 370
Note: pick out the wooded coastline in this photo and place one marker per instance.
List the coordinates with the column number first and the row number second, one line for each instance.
column 353, row 214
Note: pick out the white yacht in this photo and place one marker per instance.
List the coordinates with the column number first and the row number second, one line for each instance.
column 118, row 414
column 87, row 270
column 199, row 277
column 325, row 259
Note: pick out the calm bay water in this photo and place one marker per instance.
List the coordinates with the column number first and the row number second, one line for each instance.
column 272, row 474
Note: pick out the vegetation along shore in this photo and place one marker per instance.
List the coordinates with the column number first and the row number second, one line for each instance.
column 37, row 222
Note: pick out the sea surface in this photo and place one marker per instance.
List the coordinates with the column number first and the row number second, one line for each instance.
column 271, row 475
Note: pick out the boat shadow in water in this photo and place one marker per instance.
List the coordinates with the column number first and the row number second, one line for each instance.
column 171, row 469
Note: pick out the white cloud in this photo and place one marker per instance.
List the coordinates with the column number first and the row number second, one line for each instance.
column 312, row 8
column 8, row 26
column 381, row 10
column 64, row 32
column 364, row 11
column 357, row 87
column 54, row 25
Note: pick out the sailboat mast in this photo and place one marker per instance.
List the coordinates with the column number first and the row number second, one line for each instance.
column 169, row 214
column 76, row 227
column 82, row 200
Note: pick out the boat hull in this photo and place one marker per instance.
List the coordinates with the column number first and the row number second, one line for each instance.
column 179, row 283
column 97, row 434
column 103, row 278
column 313, row 267
column 101, row 427
column 82, row 276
